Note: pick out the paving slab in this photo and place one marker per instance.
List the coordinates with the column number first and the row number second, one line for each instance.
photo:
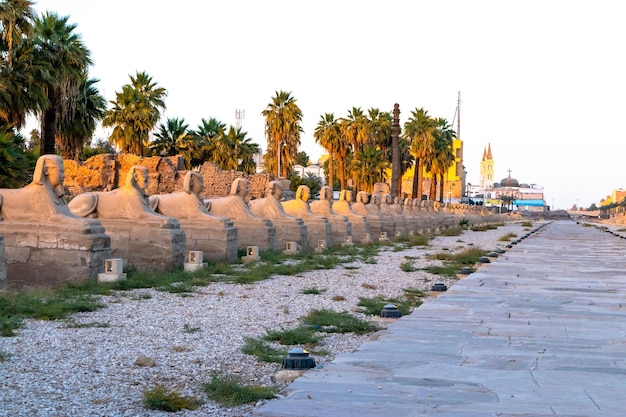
column 540, row 331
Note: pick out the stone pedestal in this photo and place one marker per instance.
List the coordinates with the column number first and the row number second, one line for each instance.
column 339, row 225
column 360, row 224
column 217, row 239
column 147, row 245
column 51, row 254
column 255, row 232
column 3, row 265
column 290, row 230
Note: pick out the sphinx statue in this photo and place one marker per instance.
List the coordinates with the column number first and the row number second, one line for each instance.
column 215, row 236
column 139, row 235
column 360, row 225
column 340, row 225
column 45, row 242
column 251, row 230
column 318, row 227
column 288, row 228
column 387, row 209
column 407, row 212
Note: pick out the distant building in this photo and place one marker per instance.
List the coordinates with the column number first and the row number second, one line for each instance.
column 487, row 177
column 617, row 196
column 302, row 171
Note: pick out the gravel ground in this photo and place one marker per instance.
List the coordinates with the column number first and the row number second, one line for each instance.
column 52, row 369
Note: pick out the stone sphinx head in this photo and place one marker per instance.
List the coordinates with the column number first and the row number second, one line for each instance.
column 387, row 199
column 275, row 189
column 137, row 178
column 303, row 193
column 193, row 183
column 375, row 199
column 326, row 193
column 50, row 172
column 362, row 197
column 240, row 187
column 408, row 202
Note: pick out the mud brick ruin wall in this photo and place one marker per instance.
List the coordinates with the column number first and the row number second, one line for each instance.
column 106, row 172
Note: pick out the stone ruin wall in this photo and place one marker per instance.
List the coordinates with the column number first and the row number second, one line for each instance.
column 106, row 172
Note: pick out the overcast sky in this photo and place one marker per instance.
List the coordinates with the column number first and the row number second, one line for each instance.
column 542, row 81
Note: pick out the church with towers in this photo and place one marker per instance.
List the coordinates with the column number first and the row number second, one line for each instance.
column 509, row 192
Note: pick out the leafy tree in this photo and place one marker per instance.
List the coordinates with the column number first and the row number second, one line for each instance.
column 355, row 130
column 15, row 163
column 100, row 146
column 206, row 135
column 16, row 17
column 136, row 110
column 76, row 131
column 56, row 42
column 369, row 168
column 419, row 132
column 328, row 135
column 442, row 157
column 302, row 158
column 310, row 180
column 282, row 128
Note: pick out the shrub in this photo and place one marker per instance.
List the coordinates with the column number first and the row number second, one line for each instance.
column 229, row 392
column 160, row 398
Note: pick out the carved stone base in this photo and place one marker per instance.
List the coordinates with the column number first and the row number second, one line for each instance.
column 290, row 230
column 3, row 265
column 48, row 255
column 146, row 245
column 255, row 232
column 317, row 228
column 217, row 241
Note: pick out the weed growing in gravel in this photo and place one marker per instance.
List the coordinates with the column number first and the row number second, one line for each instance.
column 507, row 237
column 263, row 351
column 229, row 392
column 313, row 290
column 74, row 324
column 407, row 266
column 188, row 328
column 527, row 224
column 368, row 286
column 453, row 262
column 483, row 228
column 451, row 231
column 298, row 336
column 4, row 355
column 161, row 398
column 329, row 321
column 338, row 298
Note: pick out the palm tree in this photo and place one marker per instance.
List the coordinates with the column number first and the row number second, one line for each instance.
column 443, row 156
column 282, row 129
column 419, row 132
column 136, row 110
column 355, row 130
column 76, row 131
column 328, row 136
column 56, row 43
column 206, row 134
column 17, row 18
column 14, row 162
column 247, row 150
column 370, row 167
column 169, row 137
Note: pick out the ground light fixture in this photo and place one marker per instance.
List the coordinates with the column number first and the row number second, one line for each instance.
column 298, row 359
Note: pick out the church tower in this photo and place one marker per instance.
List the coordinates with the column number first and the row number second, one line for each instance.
column 486, row 170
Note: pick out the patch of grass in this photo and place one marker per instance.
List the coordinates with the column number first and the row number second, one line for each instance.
column 329, row 321
column 263, row 351
column 483, row 227
column 313, row 290
column 338, row 298
column 161, row 398
column 451, row 231
column 229, row 392
column 373, row 306
column 453, row 262
column 368, row 286
column 527, row 224
column 507, row 237
column 351, row 267
column 74, row 324
column 188, row 328
column 289, row 337
column 4, row 355
column 407, row 266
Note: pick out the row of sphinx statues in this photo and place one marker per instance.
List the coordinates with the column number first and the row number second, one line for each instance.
column 154, row 232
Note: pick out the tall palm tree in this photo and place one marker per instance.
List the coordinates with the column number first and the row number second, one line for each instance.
column 282, row 128
column 14, row 162
column 170, row 137
column 136, row 110
column 355, row 130
column 206, row 134
column 57, row 43
column 76, row 131
column 443, row 156
column 17, row 18
column 419, row 132
column 328, row 136
column 370, row 167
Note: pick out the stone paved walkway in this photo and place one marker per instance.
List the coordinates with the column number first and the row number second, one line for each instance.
column 539, row 332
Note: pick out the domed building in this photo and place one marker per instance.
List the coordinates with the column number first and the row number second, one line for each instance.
column 510, row 193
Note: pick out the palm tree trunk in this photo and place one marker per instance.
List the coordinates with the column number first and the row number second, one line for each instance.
column 342, row 172
column 49, row 132
column 433, row 187
column 331, row 170
column 441, row 188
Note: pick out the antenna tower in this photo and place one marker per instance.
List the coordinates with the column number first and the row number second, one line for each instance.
column 239, row 115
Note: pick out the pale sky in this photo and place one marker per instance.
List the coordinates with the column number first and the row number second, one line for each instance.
column 542, row 81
